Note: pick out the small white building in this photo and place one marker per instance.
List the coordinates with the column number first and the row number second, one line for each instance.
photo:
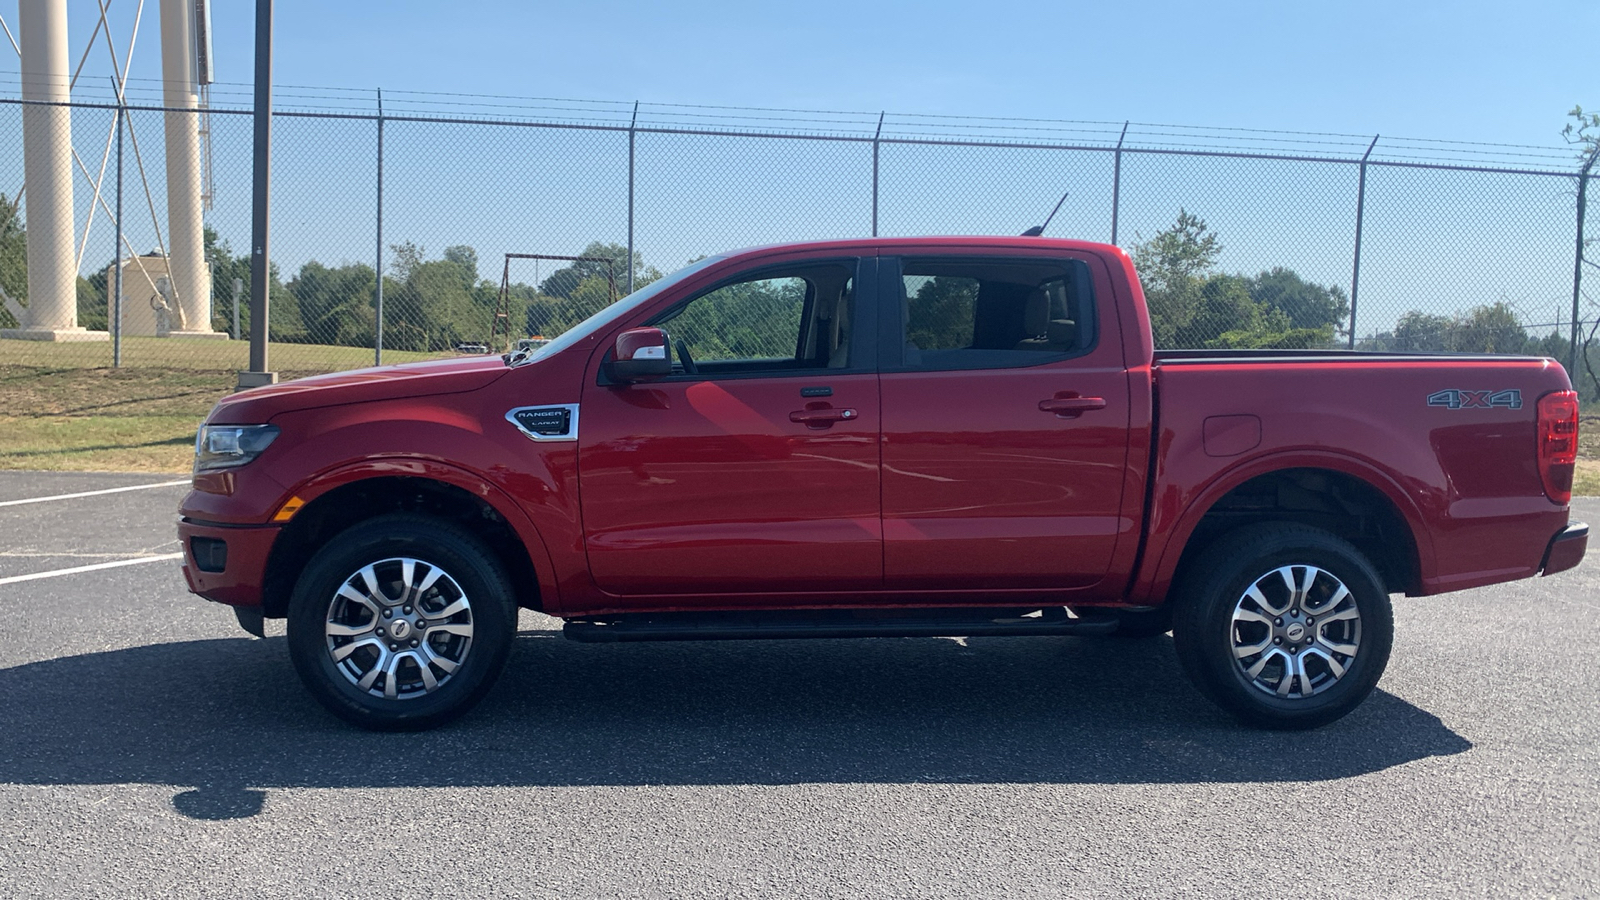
column 148, row 309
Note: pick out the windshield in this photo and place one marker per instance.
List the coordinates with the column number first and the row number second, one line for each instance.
column 608, row 315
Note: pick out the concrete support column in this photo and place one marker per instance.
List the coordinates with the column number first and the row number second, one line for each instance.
column 52, row 312
column 191, row 286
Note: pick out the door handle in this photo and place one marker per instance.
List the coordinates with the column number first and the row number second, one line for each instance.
column 821, row 418
column 1071, row 407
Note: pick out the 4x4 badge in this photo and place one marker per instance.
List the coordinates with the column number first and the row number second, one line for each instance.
column 1454, row 399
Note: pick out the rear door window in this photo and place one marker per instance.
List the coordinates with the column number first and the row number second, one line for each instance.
column 989, row 313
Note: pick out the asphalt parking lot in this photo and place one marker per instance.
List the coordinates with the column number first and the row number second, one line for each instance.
column 149, row 747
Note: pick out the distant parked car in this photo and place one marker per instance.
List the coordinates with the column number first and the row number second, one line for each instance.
column 471, row 347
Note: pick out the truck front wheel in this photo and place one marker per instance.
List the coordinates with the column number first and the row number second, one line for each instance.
column 402, row 622
column 1283, row 625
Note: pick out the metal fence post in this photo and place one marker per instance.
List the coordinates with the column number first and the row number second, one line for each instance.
column 260, row 204
column 115, row 308
column 377, row 334
column 875, row 138
column 1116, row 182
column 1355, row 268
column 1577, row 265
column 632, row 124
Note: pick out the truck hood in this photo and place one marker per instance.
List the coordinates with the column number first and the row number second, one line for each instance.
column 422, row 379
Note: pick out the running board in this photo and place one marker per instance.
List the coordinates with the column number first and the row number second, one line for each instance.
column 829, row 624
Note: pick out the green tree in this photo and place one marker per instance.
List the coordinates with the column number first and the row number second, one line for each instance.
column 336, row 303
column 1307, row 305
column 1491, row 328
column 1193, row 305
column 1172, row 268
column 943, row 315
column 1420, row 331
column 283, row 311
column 564, row 281
column 13, row 258
column 467, row 259
column 225, row 267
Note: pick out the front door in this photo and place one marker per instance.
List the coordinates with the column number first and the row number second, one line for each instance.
column 753, row 469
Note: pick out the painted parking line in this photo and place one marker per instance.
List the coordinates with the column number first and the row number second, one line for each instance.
column 136, row 487
column 97, row 566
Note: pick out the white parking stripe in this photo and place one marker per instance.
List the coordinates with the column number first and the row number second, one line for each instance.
column 105, row 565
column 136, row 487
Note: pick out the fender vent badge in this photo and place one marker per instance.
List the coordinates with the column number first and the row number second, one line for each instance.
column 546, row 423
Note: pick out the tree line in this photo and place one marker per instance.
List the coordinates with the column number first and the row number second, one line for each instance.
column 433, row 304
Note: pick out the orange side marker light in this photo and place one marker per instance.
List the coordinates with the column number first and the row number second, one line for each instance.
column 289, row 509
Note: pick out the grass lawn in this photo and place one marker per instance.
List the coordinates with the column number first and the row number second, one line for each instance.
column 64, row 408
column 196, row 354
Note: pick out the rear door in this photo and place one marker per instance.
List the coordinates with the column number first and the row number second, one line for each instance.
column 1005, row 423
column 753, row 469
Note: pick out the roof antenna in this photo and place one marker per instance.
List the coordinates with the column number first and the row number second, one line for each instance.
column 1037, row 230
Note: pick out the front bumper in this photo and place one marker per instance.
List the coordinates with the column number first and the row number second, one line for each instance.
column 239, row 566
column 1566, row 549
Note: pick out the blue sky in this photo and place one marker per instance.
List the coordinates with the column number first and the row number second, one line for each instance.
column 1469, row 70
column 1463, row 71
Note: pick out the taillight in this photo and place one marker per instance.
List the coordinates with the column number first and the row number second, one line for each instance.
column 1558, row 443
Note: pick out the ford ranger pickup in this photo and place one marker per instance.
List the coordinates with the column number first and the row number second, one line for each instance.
column 888, row 437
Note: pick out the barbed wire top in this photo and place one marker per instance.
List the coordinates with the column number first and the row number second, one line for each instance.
column 850, row 125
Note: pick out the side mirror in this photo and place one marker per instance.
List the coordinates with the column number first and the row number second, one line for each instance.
column 641, row 354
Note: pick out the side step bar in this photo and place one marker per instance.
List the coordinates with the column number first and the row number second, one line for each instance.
column 830, row 624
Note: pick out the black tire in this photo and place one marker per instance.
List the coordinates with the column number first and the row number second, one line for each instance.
column 1300, row 679
column 474, row 639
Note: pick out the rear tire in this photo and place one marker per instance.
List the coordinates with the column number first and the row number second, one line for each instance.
column 401, row 623
column 1283, row 625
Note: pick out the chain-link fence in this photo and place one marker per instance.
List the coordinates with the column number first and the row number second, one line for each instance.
column 1245, row 239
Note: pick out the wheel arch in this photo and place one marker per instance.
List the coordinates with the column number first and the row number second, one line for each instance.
column 1343, row 496
column 337, row 500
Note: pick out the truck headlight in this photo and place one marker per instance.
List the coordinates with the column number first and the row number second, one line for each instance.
column 230, row 446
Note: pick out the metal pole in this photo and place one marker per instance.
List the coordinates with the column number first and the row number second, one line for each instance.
column 1355, row 268
column 377, row 340
column 1116, row 182
column 631, row 125
column 116, row 271
column 1577, row 265
column 238, row 288
column 260, row 197
column 875, row 137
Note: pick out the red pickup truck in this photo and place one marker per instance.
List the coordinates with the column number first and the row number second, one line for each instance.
column 906, row 437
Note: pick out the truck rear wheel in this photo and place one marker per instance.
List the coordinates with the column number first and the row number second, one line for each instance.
column 1283, row 625
column 402, row 622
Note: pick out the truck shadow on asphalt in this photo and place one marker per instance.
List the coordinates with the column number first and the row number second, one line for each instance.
column 229, row 718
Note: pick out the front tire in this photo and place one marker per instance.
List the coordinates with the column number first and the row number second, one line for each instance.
column 401, row 623
column 1283, row 625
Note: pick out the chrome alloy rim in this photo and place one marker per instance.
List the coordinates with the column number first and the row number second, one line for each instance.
column 1296, row 631
column 399, row 628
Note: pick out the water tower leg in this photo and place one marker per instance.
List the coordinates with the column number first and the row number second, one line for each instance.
column 52, row 313
column 191, row 282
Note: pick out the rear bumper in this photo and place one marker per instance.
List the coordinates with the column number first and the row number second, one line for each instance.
column 1566, row 549
column 241, row 566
